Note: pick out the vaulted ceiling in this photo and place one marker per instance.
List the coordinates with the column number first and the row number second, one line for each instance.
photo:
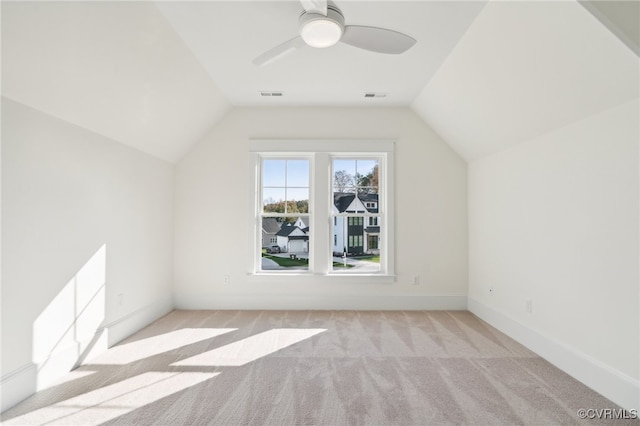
column 158, row 76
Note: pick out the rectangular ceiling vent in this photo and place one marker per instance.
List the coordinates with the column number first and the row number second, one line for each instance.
column 375, row 95
column 267, row 93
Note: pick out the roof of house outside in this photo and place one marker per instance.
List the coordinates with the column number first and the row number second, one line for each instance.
column 342, row 201
column 286, row 230
column 270, row 225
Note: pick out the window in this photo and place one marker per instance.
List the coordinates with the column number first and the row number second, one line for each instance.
column 356, row 192
column 285, row 213
column 325, row 204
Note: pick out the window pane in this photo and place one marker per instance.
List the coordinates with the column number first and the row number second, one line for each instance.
column 366, row 166
column 356, row 176
column 344, row 172
column 367, row 176
column 273, row 200
column 273, row 172
column 298, row 200
column 346, row 165
column 285, row 187
column 356, row 246
column 298, row 173
column 291, row 248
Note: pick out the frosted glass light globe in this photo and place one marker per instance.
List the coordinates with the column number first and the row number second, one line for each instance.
column 321, row 33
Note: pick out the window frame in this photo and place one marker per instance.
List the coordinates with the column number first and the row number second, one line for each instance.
column 261, row 214
column 320, row 153
column 362, row 218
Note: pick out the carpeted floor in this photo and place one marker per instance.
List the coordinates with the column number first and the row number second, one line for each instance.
column 314, row 368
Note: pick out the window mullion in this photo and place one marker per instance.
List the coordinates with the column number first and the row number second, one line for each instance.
column 321, row 188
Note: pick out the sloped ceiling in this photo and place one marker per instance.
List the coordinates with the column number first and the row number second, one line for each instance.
column 117, row 69
column 524, row 69
column 158, row 76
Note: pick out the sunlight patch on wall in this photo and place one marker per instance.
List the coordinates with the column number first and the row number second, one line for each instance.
column 67, row 327
column 112, row 401
column 145, row 348
column 250, row 348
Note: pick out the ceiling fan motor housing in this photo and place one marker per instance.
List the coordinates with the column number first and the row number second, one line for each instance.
column 321, row 31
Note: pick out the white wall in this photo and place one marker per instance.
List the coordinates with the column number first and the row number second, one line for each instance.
column 84, row 220
column 555, row 221
column 213, row 188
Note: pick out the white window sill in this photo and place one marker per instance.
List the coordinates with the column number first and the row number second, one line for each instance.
column 301, row 277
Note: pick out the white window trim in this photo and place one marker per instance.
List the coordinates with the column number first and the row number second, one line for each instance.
column 257, row 267
column 321, row 153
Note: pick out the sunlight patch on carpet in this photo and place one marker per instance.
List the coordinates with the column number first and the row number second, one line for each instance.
column 145, row 348
column 112, row 401
column 71, row 376
column 251, row 348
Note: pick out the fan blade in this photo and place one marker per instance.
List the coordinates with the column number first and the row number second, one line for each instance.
column 279, row 51
column 315, row 6
column 377, row 39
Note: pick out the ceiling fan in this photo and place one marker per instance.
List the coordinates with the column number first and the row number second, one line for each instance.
column 322, row 25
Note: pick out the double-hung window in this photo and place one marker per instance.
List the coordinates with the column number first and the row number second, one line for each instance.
column 322, row 208
column 355, row 192
column 284, row 212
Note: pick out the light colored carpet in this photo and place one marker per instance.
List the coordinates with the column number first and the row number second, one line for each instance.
column 314, row 368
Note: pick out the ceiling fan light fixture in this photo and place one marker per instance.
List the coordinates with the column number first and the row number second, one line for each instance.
column 321, row 31
column 321, row 24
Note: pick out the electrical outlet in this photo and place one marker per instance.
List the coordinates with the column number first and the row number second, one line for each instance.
column 227, row 279
column 529, row 306
column 416, row 280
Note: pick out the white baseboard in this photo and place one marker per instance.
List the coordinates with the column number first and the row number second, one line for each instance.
column 26, row 380
column 192, row 301
column 17, row 385
column 124, row 327
column 609, row 382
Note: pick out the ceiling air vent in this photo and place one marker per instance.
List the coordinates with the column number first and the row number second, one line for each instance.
column 375, row 95
column 267, row 93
